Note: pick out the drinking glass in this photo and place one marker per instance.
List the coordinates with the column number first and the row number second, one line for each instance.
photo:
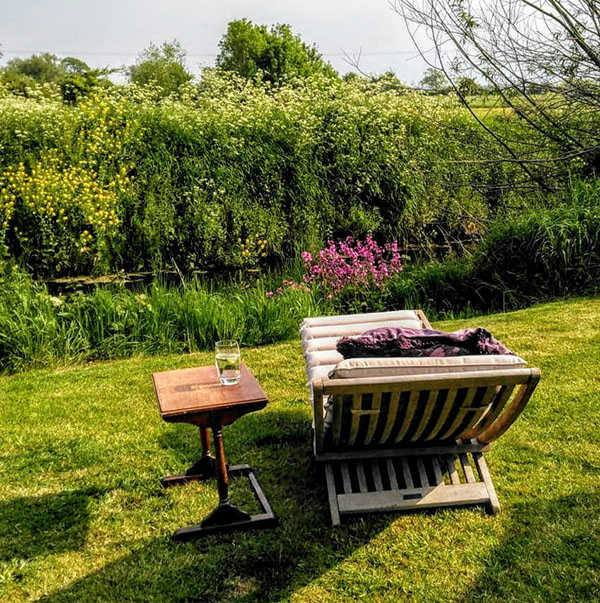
column 227, row 360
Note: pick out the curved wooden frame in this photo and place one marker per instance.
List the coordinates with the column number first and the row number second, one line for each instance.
column 416, row 441
column 486, row 404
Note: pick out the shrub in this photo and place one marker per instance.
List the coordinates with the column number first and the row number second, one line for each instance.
column 351, row 264
column 545, row 252
column 196, row 181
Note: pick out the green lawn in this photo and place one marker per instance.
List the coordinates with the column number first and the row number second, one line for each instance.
column 83, row 518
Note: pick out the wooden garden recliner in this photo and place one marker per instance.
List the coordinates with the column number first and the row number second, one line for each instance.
column 415, row 441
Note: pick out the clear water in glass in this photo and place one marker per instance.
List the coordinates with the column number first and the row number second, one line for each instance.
column 227, row 360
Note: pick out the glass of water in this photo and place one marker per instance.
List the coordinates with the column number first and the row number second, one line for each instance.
column 227, row 360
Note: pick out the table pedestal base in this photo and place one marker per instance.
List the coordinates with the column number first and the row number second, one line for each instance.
column 229, row 518
column 203, row 468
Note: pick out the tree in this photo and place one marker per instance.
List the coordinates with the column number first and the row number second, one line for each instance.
column 389, row 81
column 542, row 60
column 467, row 86
column 79, row 79
column 434, row 80
column 275, row 54
column 74, row 77
column 162, row 66
column 45, row 67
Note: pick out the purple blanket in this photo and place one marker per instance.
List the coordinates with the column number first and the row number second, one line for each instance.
column 399, row 341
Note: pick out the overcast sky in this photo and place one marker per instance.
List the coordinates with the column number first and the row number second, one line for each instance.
column 112, row 32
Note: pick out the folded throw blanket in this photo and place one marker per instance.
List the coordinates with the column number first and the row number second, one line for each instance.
column 399, row 341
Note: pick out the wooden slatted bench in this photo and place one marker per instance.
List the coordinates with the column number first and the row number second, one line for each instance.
column 413, row 441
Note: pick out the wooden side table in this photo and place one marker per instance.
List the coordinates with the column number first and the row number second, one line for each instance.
column 196, row 396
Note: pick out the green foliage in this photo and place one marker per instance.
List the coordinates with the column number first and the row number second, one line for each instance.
column 275, row 55
column 73, row 76
column 161, row 66
column 543, row 254
column 468, row 86
column 79, row 79
column 546, row 252
column 434, row 79
column 197, row 181
column 39, row 329
column 45, row 67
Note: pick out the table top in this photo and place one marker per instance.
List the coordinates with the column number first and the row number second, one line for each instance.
column 198, row 391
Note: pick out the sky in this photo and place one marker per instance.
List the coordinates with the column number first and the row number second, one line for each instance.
column 110, row 33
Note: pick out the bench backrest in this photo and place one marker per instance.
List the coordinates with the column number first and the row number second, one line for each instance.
column 419, row 410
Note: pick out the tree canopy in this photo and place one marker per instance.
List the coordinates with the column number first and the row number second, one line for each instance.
column 163, row 66
column 274, row 54
column 434, row 80
column 74, row 76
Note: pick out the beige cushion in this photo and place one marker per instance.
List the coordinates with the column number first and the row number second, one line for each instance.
column 355, row 328
column 319, row 344
column 319, row 372
column 322, row 357
column 361, row 368
column 345, row 319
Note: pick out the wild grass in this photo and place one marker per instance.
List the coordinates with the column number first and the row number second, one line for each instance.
column 83, row 517
column 37, row 329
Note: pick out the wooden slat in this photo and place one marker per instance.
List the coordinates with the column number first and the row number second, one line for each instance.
column 487, row 480
column 424, row 320
column 448, row 405
column 391, row 418
column 437, row 496
column 332, row 495
column 424, row 382
column 408, row 417
column 464, row 461
column 406, row 473
column 356, row 406
column 346, row 478
column 437, row 472
column 392, row 474
column 376, row 475
column 513, row 411
column 337, row 418
column 482, row 408
column 318, row 413
column 460, row 416
column 373, row 418
column 497, row 406
column 395, row 452
column 429, row 406
column 360, row 473
column 452, row 472
column 422, row 473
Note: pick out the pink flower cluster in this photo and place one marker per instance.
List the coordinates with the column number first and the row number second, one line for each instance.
column 352, row 263
column 289, row 285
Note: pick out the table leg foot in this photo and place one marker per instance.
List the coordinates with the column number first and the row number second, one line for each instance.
column 229, row 518
column 202, row 469
column 225, row 514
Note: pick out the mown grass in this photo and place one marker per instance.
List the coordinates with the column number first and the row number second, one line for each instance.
column 82, row 516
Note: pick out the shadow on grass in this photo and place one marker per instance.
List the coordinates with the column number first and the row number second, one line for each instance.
column 551, row 552
column 254, row 434
column 260, row 566
column 256, row 566
column 37, row 525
